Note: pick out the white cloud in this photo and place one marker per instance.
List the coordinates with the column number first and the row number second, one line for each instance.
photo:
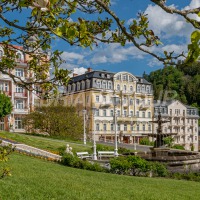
column 71, row 56
column 79, row 70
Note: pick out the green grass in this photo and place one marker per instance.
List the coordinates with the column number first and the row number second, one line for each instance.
column 44, row 143
column 34, row 179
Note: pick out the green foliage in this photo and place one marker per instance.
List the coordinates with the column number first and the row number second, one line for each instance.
column 177, row 146
column 74, row 161
column 146, row 141
column 168, row 141
column 56, row 121
column 4, row 152
column 136, row 166
column 5, row 105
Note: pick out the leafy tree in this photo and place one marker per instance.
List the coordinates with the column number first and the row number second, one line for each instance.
column 44, row 19
column 56, row 120
column 5, row 105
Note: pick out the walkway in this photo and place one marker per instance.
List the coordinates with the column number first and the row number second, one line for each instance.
column 31, row 150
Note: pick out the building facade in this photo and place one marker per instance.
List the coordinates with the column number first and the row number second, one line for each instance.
column 22, row 99
column 95, row 90
column 183, row 120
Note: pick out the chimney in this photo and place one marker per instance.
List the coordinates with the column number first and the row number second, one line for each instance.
column 89, row 69
column 75, row 74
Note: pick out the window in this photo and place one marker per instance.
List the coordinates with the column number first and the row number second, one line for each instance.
column 148, row 89
column 82, row 85
column 104, row 85
column 104, row 98
column 149, row 127
column 137, row 101
column 125, row 127
column 78, row 86
column 104, row 127
column 18, row 123
column 19, row 89
column 137, row 114
column 143, row 127
column 125, row 77
column 97, row 127
column 143, row 114
column 109, row 86
column 132, row 127
column 125, row 100
column 111, row 127
column 4, row 87
column 97, row 98
column 143, row 88
column 111, row 113
column 97, row 112
column 131, row 101
column 125, row 88
column 131, row 113
column 118, row 87
column 149, row 102
column 104, row 113
column 118, row 127
column 19, row 57
column 118, row 113
column 98, row 84
column 102, row 75
column 19, row 104
column 138, row 127
column 125, row 113
column 88, row 84
column 19, row 72
column 131, row 88
column 108, row 75
column 130, row 79
column 149, row 114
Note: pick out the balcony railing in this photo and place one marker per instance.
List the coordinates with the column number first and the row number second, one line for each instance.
column 20, row 94
column 126, row 118
column 106, row 104
column 144, row 106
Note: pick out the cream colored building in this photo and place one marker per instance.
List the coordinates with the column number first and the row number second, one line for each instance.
column 95, row 89
column 183, row 120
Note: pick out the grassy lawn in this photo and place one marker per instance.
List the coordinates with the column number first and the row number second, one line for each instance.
column 34, row 179
column 43, row 142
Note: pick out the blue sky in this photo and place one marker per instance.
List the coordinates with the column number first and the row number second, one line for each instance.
column 172, row 29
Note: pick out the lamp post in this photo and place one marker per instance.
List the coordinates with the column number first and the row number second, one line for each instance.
column 84, row 132
column 115, row 103
column 94, row 141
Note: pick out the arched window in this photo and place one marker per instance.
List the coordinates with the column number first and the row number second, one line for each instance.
column 131, row 88
column 138, row 127
column 109, row 85
column 131, row 101
column 138, row 88
column 118, row 87
column 19, row 57
column 143, row 127
column 149, row 127
column 124, row 87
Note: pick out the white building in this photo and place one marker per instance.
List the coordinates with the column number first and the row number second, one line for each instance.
column 183, row 121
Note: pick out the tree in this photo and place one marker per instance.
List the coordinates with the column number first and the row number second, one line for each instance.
column 43, row 19
column 5, row 105
column 56, row 120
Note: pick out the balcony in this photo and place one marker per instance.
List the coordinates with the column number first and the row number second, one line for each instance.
column 20, row 94
column 126, row 119
column 105, row 91
column 20, row 111
column 106, row 104
column 144, row 106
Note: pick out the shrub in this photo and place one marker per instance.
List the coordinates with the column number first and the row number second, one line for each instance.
column 146, row 141
column 159, row 169
column 101, row 147
column 177, row 146
column 74, row 161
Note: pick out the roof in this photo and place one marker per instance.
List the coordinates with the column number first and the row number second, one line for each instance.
column 92, row 74
column 142, row 80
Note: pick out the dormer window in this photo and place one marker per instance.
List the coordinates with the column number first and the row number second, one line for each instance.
column 78, row 86
column 102, row 75
column 108, row 75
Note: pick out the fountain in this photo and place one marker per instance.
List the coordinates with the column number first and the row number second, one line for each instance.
column 176, row 160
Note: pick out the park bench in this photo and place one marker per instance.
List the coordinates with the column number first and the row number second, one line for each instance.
column 105, row 154
column 83, row 155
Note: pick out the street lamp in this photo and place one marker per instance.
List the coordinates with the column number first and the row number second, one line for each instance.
column 133, row 133
column 84, row 132
column 94, row 141
column 115, row 103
